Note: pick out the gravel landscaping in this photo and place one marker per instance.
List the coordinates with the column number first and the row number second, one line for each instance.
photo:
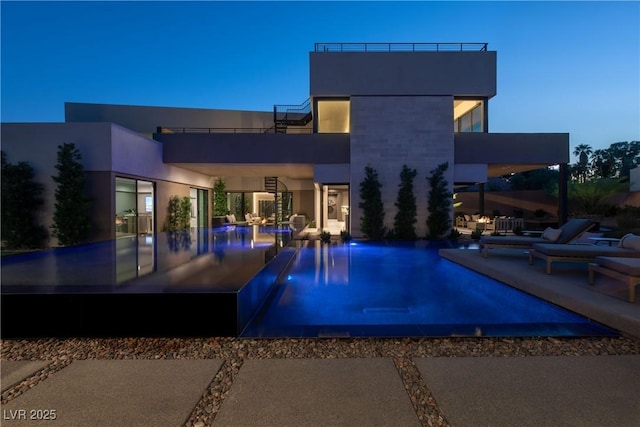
column 234, row 352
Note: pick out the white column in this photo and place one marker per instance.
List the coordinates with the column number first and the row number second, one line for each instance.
column 317, row 203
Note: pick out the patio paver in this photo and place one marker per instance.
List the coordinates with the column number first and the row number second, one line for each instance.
column 118, row 393
column 13, row 372
column 317, row 392
column 576, row 391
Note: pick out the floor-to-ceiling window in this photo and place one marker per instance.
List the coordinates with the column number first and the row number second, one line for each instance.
column 134, row 207
column 199, row 207
column 134, row 224
column 332, row 206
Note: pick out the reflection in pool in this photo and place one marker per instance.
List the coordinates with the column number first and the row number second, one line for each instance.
column 366, row 289
column 222, row 258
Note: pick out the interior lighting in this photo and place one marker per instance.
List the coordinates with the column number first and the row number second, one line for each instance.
column 463, row 107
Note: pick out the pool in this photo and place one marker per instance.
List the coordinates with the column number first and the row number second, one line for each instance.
column 385, row 290
column 192, row 283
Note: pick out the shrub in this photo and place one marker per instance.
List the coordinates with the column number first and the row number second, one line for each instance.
column 372, row 220
column 628, row 218
column 219, row 198
column 406, row 215
column 476, row 234
column 325, row 236
column 439, row 202
column 21, row 200
column 454, row 234
column 592, row 197
column 179, row 214
column 71, row 220
column 345, row 236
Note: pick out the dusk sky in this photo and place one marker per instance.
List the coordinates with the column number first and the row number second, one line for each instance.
column 562, row 66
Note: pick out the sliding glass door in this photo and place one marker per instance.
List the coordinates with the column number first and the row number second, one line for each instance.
column 134, row 207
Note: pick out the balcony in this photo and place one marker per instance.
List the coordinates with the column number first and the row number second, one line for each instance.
column 399, row 47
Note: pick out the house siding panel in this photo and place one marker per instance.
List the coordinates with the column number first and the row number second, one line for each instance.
column 388, row 132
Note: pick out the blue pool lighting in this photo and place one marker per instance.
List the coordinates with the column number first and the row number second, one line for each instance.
column 402, row 290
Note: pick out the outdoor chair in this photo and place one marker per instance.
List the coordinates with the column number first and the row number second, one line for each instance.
column 629, row 247
column 624, row 269
column 570, row 231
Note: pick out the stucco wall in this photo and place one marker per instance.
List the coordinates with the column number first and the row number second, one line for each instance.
column 135, row 154
column 164, row 191
column 37, row 144
column 403, row 73
column 388, row 132
column 510, row 148
column 146, row 119
column 107, row 150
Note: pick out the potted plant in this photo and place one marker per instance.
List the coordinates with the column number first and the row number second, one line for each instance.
column 325, row 236
column 476, row 234
column 345, row 236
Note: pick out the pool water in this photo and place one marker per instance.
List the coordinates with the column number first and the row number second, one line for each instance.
column 363, row 289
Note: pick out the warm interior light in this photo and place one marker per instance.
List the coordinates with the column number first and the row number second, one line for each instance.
column 333, row 116
column 462, row 107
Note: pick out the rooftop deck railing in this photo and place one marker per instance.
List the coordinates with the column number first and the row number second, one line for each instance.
column 399, row 47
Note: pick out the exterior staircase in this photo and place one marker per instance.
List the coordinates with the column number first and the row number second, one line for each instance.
column 291, row 115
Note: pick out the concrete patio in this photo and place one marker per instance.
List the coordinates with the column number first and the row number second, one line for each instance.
column 459, row 391
column 605, row 302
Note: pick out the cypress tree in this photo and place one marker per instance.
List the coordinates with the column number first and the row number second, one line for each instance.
column 372, row 220
column 71, row 220
column 406, row 215
column 21, row 200
column 439, row 203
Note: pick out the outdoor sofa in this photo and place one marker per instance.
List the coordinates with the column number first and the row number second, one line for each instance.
column 624, row 269
column 570, row 231
column 629, row 247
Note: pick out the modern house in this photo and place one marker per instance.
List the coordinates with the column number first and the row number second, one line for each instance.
column 378, row 104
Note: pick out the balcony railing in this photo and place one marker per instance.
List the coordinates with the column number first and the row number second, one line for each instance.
column 399, row 47
column 296, row 115
column 163, row 129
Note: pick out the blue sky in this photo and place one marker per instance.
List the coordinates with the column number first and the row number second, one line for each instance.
column 562, row 66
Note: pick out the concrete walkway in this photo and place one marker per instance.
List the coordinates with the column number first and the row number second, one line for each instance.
column 478, row 391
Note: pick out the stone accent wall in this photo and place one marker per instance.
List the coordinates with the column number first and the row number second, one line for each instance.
column 390, row 131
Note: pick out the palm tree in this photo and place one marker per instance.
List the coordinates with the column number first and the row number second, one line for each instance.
column 583, row 151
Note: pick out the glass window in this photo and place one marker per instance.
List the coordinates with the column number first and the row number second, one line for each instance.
column 476, row 119
column 468, row 115
column 465, row 123
column 333, row 116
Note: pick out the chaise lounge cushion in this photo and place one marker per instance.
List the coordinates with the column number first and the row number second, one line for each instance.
column 630, row 241
column 583, row 251
column 628, row 266
column 551, row 234
column 568, row 232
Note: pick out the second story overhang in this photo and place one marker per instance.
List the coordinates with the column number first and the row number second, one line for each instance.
column 419, row 69
column 506, row 153
column 269, row 154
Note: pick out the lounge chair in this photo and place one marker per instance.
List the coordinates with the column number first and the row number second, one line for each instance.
column 625, row 269
column 629, row 247
column 570, row 231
